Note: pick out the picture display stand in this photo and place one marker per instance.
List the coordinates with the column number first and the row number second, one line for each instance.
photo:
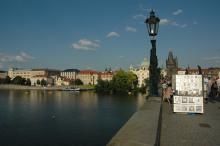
column 188, row 96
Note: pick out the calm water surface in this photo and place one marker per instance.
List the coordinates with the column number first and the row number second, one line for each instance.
column 62, row 117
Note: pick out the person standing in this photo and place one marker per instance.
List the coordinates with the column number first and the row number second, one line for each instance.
column 218, row 84
column 209, row 87
column 205, row 85
column 214, row 89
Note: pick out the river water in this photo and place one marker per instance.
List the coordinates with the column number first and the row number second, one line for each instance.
column 63, row 118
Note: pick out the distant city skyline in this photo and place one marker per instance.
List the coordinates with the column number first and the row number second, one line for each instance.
column 97, row 34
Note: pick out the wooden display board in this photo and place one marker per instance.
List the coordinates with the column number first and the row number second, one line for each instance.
column 188, row 96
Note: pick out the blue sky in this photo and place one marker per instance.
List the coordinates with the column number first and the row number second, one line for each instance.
column 95, row 34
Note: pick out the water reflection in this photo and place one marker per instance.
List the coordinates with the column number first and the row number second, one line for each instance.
column 62, row 117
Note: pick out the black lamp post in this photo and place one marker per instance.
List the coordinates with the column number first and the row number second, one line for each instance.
column 152, row 25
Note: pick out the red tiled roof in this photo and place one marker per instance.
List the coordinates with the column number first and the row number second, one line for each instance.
column 88, row 72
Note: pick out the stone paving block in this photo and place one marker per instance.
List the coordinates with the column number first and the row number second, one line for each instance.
column 191, row 129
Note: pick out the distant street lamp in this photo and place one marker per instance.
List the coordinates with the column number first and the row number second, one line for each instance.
column 152, row 25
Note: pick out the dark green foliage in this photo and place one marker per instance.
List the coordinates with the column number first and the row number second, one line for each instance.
column 78, row 82
column 28, row 82
column 43, row 82
column 38, row 82
column 7, row 80
column 103, row 86
column 18, row 80
column 122, row 82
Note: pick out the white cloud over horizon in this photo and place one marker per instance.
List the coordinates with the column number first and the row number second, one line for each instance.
column 211, row 58
column 178, row 12
column 86, row 45
column 139, row 16
column 21, row 57
column 113, row 34
column 130, row 29
column 166, row 21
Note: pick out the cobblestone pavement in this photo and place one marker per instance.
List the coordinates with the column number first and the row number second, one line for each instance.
column 191, row 129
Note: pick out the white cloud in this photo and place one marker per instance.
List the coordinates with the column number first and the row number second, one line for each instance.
column 120, row 57
column 165, row 21
column 183, row 25
column 195, row 22
column 85, row 44
column 174, row 23
column 113, row 34
column 211, row 58
column 177, row 12
column 139, row 16
column 130, row 29
column 21, row 57
column 215, row 60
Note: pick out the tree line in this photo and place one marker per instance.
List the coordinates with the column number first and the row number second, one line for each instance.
column 122, row 82
column 18, row 80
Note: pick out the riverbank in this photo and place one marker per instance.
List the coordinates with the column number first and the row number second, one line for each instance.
column 20, row 87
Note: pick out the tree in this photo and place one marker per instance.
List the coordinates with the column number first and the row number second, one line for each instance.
column 124, row 82
column 103, row 86
column 43, row 82
column 18, row 80
column 7, row 80
column 38, row 82
column 28, row 82
column 78, row 82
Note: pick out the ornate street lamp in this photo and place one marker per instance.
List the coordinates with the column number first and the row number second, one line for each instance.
column 152, row 25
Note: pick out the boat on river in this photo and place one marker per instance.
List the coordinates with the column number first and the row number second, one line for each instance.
column 71, row 89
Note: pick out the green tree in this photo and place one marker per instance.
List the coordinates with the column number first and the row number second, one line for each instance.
column 43, row 82
column 124, row 82
column 103, row 86
column 7, row 80
column 78, row 82
column 38, row 82
column 18, row 80
column 28, row 82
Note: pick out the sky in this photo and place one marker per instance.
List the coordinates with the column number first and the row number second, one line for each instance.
column 95, row 34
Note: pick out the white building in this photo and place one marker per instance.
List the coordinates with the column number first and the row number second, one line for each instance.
column 142, row 72
column 3, row 74
column 69, row 73
column 37, row 78
column 62, row 81
column 88, row 77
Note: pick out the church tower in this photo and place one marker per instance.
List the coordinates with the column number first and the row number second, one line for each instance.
column 171, row 65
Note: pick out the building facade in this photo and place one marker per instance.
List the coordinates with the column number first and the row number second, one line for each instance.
column 62, row 81
column 29, row 73
column 69, row 73
column 35, row 79
column 3, row 74
column 88, row 77
column 24, row 73
column 207, row 72
column 106, row 76
column 171, row 65
column 142, row 72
